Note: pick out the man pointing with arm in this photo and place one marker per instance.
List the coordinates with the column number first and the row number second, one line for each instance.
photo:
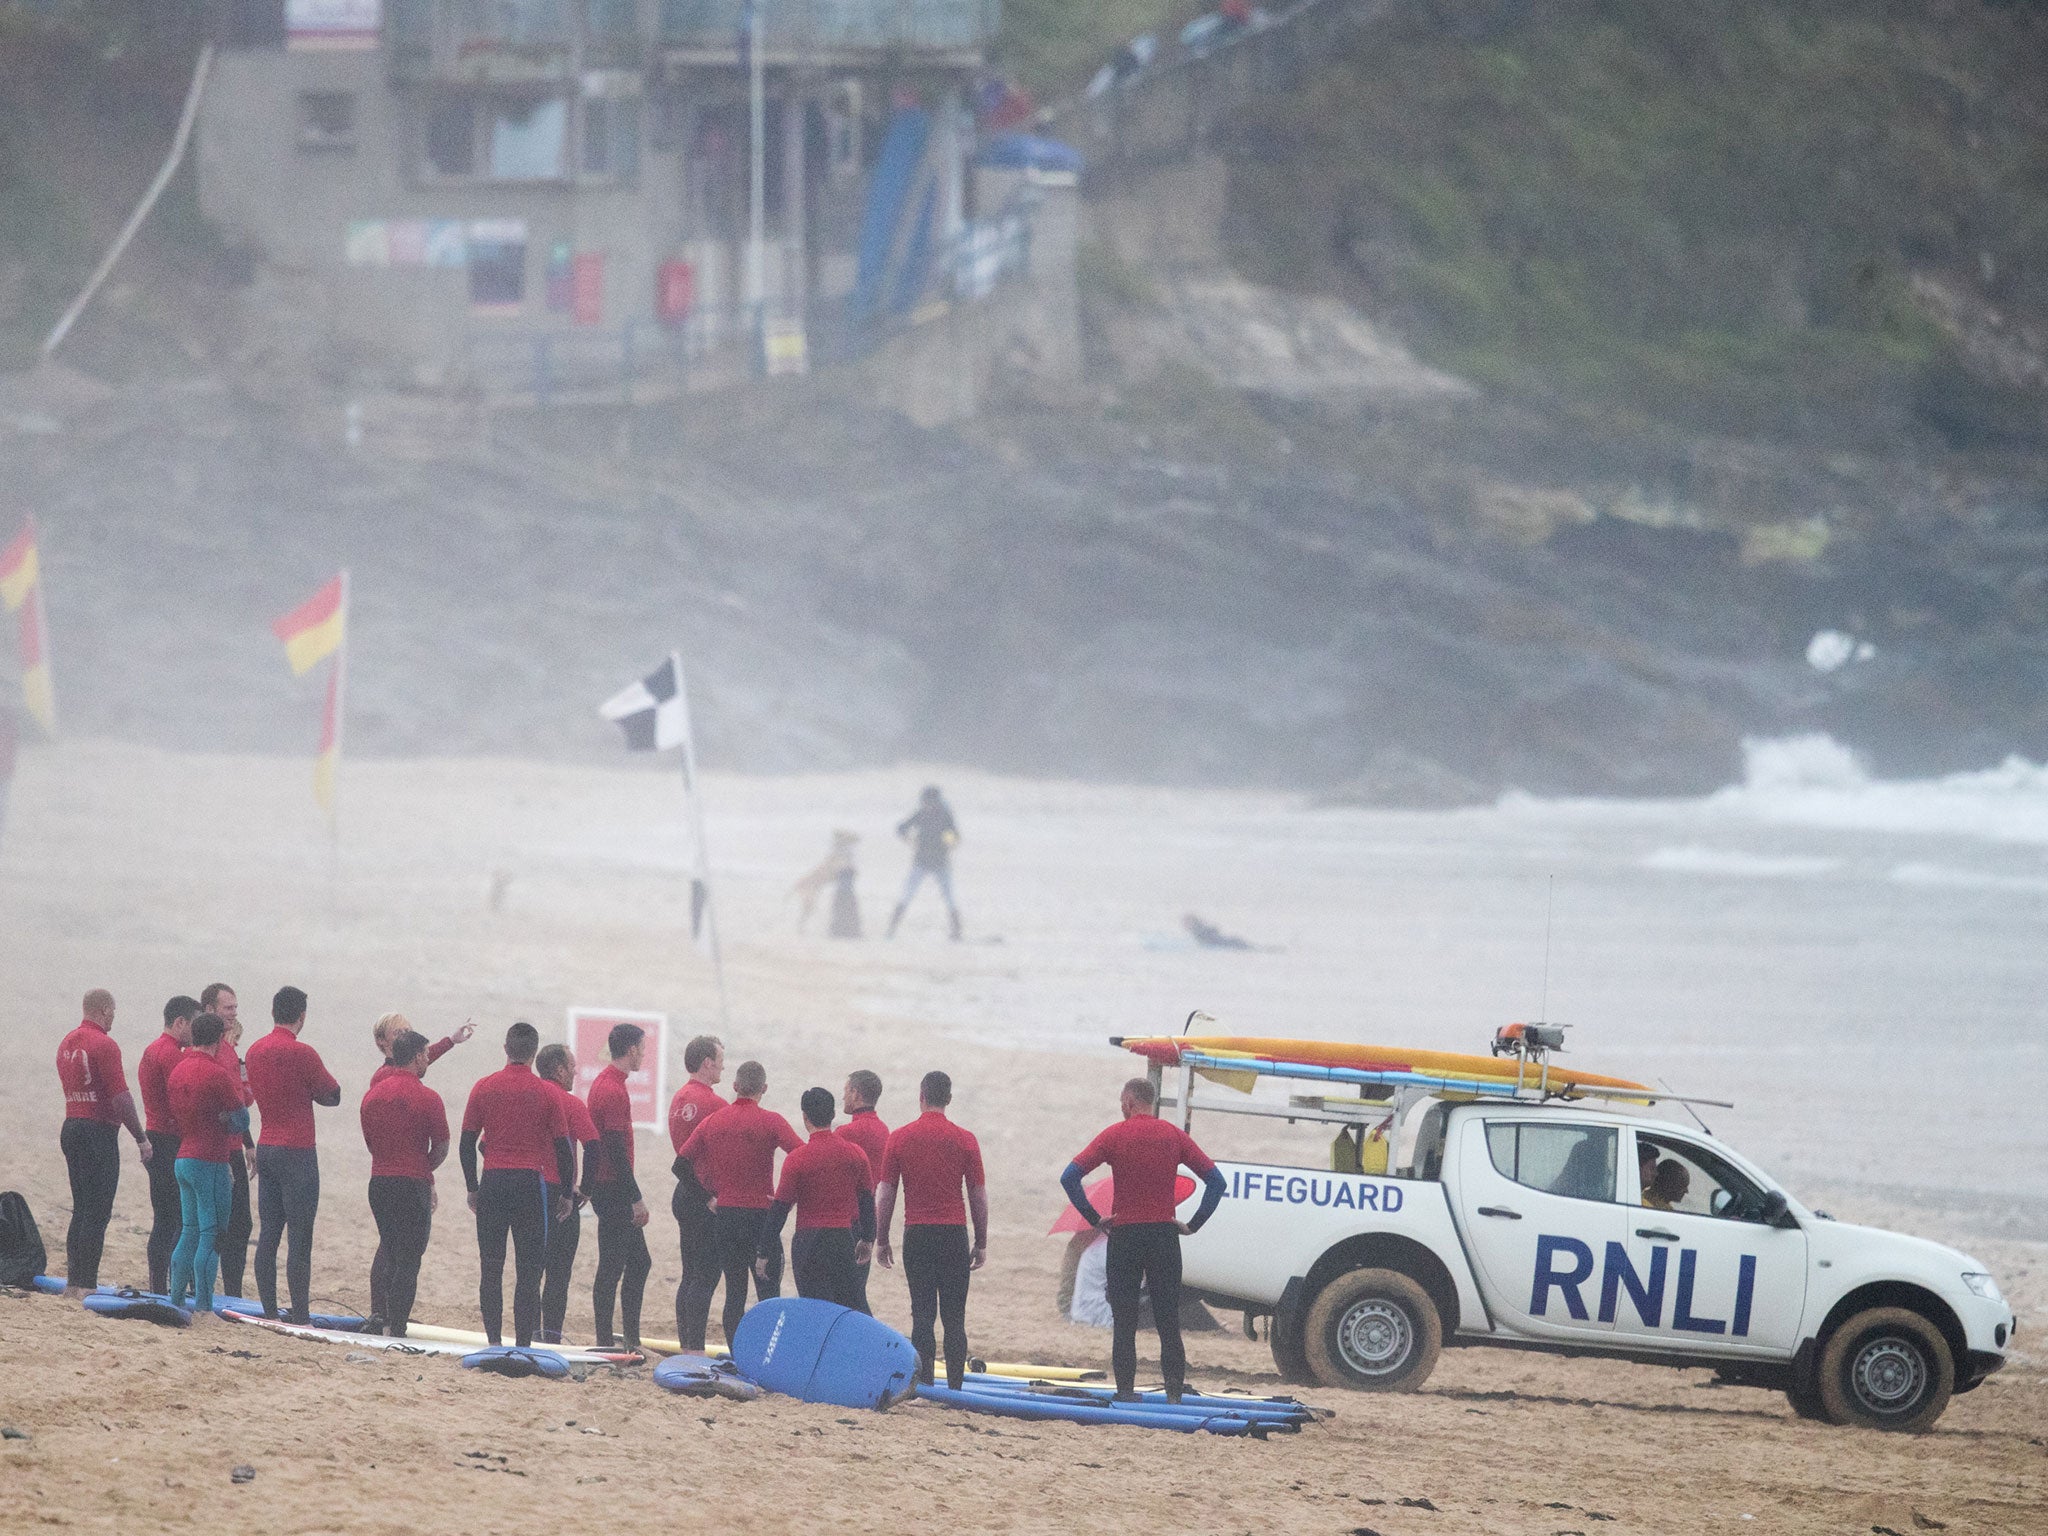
column 1144, row 1154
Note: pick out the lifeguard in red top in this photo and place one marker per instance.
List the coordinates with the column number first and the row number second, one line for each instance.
column 405, row 1126
column 828, row 1183
column 935, row 1160
column 152, row 1086
column 695, row 1101
column 205, row 1103
column 288, row 1078
column 1144, row 1154
column 864, row 1128
column 390, row 1026
column 734, row 1155
column 622, row 1257
column 525, row 1134
column 556, row 1066
column 97, row 1104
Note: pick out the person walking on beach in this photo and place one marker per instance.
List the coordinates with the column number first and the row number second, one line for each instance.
column 695, row 1101
column 556, row 1066
column 934, row 1160
column 152, row 1085
column 864, row 1128
column 218, row 998
column 734, row 1155
column 1144, row 1154
column 97, row 1104
column 932, row 833
column 405, row 1126
column 205, row 1104
column 622, row 1257
column 525, row 1135
column 288, row 1078
column 828, row 1183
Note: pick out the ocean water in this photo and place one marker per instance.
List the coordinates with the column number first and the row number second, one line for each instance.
column 1856, row 964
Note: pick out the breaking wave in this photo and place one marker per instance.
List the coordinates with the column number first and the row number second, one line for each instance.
column 1815, row 781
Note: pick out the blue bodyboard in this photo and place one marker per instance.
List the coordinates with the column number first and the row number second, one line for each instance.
column 702, row 1376
column 824, row 1353
column 135, row 1304
column 511, row 1360
column 1068, row 1410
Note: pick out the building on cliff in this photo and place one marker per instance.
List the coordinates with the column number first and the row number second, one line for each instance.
column 480, row 192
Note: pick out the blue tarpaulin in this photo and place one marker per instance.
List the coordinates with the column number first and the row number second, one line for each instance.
column 1028, row 152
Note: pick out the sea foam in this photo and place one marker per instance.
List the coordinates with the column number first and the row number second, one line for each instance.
column 1815, row 781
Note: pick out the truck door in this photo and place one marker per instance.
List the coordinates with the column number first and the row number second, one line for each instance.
column 1708, row 1273
column 1537, row 1205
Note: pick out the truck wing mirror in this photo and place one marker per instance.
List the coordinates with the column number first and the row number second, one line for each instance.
column 1773, row 1211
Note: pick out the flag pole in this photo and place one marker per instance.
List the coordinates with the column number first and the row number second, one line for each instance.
column 340, row 705
column 702, row 872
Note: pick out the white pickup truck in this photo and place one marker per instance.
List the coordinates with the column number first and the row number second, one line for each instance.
column 1525, row 1224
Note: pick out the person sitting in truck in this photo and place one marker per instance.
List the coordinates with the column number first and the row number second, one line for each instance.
column 1670, row 1185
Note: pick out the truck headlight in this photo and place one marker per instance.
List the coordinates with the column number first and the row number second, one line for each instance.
column 1983, row 1285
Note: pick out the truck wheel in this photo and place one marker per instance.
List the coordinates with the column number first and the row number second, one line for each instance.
column 1887, row 1368
column 1283, row 1334
column 1375, row 1330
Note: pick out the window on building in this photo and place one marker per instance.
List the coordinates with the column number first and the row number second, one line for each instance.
column 528, row 139
column 497, row 264
column 451, row 136
column 611, row 138
column 327, row 120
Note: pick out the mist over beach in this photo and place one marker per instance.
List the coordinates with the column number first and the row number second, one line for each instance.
column 934, row 535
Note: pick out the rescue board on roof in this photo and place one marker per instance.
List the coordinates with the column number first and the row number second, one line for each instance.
column 1457, row 1066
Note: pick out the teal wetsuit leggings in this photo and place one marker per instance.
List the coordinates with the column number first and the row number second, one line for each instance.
column 205, row 1192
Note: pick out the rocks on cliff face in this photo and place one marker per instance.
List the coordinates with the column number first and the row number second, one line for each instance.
column 1038, row 594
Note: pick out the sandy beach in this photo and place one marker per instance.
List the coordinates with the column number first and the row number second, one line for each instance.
column 1867, row 994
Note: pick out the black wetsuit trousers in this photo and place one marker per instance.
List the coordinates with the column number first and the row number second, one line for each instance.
column 287, row 1199
column 564, row 1238
column 739, row 1240
column 821, row 1262
column 234, row 1242
column 511, row 1203
column 700, row 1263
column 92, row 1154
column 404, row 1209
column 1145, row 1258
column 166, row 1209
column 935, row 1262
column 622, row 1265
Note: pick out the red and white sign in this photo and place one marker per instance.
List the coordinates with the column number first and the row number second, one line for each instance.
column 589, row 1036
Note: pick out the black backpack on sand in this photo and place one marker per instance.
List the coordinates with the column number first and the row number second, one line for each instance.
column 22, row 1256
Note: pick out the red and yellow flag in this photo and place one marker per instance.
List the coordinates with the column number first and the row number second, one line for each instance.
column 21, row 589
column 312, row 632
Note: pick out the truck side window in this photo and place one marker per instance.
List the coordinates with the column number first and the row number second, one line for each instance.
column 1576, row 1161
column 1717, row 1188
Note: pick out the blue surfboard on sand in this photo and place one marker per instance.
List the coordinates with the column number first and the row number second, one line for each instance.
column 148, row 1309
column 1071, row 1411
column 511, row 1360
column 824, row 1353
column 702, row 1376
column 49, row 1285
column 346, row 1322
